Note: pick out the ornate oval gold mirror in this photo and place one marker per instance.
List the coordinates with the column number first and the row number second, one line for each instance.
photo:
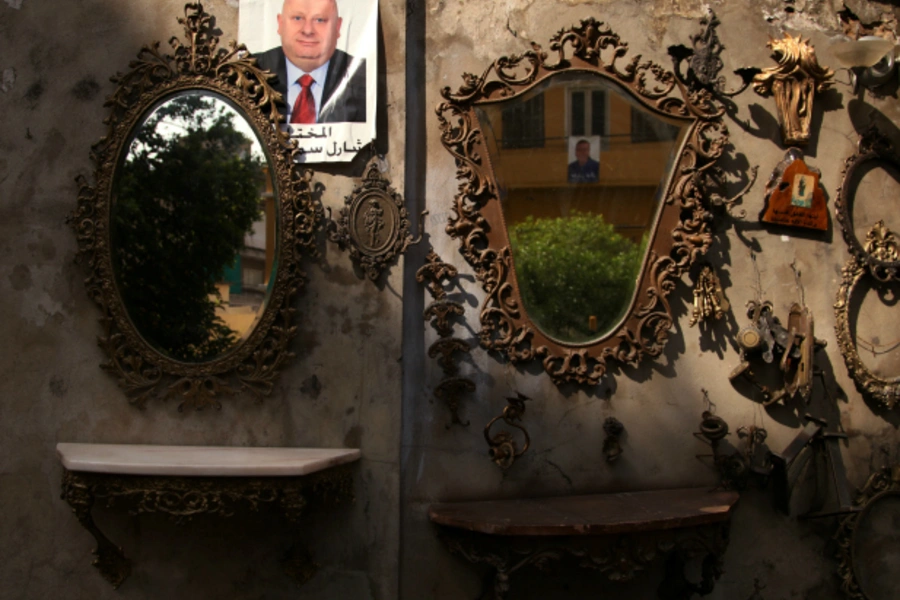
column 865, row 317
column 870, row 175
column 582, row 198
column 196, row 225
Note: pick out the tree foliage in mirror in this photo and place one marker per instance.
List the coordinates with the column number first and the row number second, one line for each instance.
column 576, row 275
column 187, row 194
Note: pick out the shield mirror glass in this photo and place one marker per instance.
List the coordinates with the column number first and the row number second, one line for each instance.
column 193, row 227
column 581, row 169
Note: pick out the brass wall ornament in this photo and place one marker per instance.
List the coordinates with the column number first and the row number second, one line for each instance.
column 441, row 312
column 503, row 449
column 709, row 299
column 373, row 224
column 866, row 539
column 791, row 346
column 198, row 72
column 704, row 61
column 794, row 84
column 879, row 250
column 678, row 230
column 885, row 390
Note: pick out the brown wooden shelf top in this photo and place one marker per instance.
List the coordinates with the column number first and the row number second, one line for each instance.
column 595, row 514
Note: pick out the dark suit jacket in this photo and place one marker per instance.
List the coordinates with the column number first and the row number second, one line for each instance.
column 352, row 104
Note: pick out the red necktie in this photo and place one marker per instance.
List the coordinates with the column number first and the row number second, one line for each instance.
column 305, row 105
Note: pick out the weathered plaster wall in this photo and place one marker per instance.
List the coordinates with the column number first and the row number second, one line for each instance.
column 659, row 402
column 56, row 60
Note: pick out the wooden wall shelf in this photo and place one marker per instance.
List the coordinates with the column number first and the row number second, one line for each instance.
column 617, row 534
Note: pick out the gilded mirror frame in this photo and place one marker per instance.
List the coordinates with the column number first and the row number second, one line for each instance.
column 197, row 64
column 882, row 248
column 874, row 148
column 681, row 230
column 884, row 483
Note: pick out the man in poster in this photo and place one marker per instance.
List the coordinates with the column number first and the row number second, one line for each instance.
column 326, row 85
column 583, row 169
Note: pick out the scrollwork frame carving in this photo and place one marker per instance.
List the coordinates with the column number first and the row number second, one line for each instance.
column 881, row 483
column 197, row 63
column 682, row 231
column 881, row 259
column 885, row 391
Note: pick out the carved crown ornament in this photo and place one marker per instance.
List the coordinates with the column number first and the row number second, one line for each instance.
column 678, row 236
column 794, row 83
column 197, row 67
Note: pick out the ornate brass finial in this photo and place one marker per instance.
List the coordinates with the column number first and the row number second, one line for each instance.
column 882, row 244
column 794, row 83
column 709, row 299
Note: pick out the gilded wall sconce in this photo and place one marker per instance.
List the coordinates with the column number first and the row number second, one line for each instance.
column 794, row 84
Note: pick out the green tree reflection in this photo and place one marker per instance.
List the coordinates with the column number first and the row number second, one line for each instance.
column 570, row 269
column 186, row 195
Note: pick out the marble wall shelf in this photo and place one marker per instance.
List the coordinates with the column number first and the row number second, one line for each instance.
column 616, row 534
column 183, row 481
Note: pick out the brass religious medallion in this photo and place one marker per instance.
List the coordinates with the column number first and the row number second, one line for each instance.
column 373, row 225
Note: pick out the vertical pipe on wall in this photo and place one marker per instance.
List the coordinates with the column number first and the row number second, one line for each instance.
column 413, row 296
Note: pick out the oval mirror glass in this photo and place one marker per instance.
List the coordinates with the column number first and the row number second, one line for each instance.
column 193, row 227
column 581, row 168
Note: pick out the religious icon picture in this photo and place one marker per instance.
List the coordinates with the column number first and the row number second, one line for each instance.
column 802, row 192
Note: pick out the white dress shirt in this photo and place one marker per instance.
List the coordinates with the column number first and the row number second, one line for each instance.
column 317, row 88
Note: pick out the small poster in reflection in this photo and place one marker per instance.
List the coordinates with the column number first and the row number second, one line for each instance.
column 584, row 159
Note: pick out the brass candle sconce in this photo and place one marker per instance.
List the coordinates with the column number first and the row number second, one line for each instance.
column 794, row 83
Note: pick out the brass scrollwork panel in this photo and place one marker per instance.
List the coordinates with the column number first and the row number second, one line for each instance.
column 676, row 231
column 164, row 90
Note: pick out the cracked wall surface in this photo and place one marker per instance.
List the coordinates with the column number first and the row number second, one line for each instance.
column 361, row 376
column 660, row 401
column 57, row 61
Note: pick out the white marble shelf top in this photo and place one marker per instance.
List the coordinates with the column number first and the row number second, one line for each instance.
column 199, row 461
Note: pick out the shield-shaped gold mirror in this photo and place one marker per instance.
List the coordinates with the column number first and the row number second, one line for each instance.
column 583, row 198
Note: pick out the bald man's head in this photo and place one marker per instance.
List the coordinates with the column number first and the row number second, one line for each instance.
column 309, row 31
